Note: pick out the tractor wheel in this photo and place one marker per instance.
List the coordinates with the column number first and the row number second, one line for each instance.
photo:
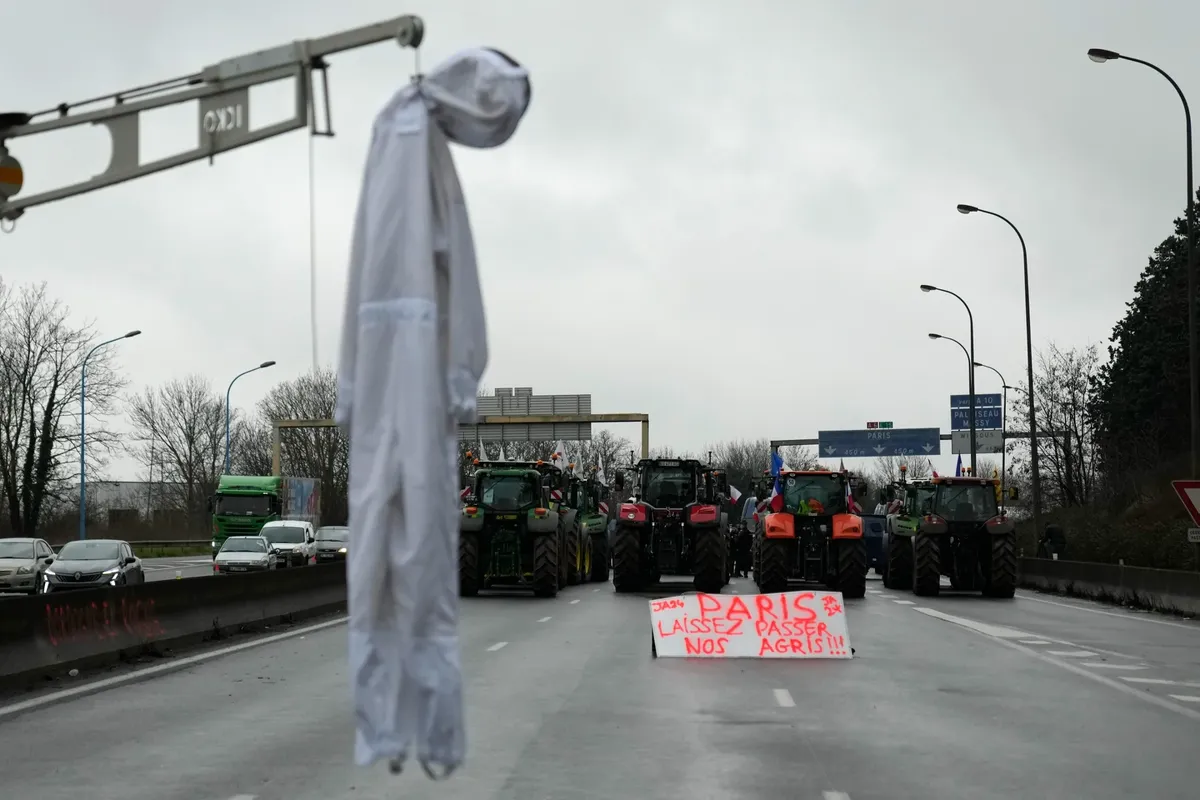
column 600, row 559
column 545, row 565
column 927, row 566
column 585, row 557
column 468, row 565
column 708, row 561
column 772, row 575
column 899, row 572
column 852, row 568
column 571, row 558
column 562, row 559
column 1003, row 578
column 627, row 560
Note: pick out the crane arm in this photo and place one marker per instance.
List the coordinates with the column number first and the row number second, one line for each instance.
column 223, row 117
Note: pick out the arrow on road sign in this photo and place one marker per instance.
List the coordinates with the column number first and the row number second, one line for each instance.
column 878, row 449
column 927, row 448
column 1189, row 495
column 829, row 452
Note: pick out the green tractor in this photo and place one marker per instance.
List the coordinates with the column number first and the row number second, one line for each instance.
column 508, row 533
column 592, row 524
column 904, row 500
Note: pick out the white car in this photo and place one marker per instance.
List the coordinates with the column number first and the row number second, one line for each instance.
column 294, row 541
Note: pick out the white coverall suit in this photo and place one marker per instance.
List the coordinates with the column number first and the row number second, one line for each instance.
column 414, row 347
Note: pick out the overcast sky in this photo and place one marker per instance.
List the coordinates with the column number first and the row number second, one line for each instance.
column 717, row 217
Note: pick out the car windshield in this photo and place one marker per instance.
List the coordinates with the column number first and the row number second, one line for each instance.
column 244, row 544
column 89, row 551
column 333, row 534
column 807, row 494
column 284, row 534
column 966, row 502
column 242, row 505
column 668, row 487
column 507, row 492
column 16, row 549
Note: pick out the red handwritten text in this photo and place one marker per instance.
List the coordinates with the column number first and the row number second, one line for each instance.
column 69, row 623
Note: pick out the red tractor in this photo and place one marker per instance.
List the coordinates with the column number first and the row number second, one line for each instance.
column 673, row 525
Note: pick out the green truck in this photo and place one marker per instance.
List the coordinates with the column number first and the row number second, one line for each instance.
column 242, row 504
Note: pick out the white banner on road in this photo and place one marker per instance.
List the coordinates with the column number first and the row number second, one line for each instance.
column 785, row 625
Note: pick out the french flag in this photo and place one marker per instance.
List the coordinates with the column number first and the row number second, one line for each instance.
column 851, row 504
column 734, row 494
column 775, row 501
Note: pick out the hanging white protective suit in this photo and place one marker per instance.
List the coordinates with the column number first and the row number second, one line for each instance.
column 414, row 347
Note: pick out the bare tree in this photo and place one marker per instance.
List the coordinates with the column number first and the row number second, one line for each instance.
column 41, row 359
column 180, row 427
column 887, row 469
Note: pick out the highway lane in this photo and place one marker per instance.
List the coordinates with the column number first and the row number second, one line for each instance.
column 566, row 703
column 162, row 569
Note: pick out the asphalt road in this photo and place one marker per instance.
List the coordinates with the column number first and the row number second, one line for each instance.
column 955, row 698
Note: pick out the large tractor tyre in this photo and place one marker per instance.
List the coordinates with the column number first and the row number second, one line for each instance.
column 600, row 558
column 563, row 567
column 899, row 571
column 545, row 565
column 852, row 568
column 709, row 561
column 585, row 557
column 772, row 575
column 627, row 561
column 571, row 557
column 468, row 565
column 927, row 566
column 1003, row 578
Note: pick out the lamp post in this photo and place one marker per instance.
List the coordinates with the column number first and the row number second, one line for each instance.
column 1101, row 56
column 83, row 430
column 1003, row 437
column 925, row 287
column 970, row 361
column 263, row 365
column 963, row 208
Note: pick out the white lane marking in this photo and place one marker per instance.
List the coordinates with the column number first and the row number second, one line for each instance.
column 244, row 797
column 544, row 619
column 735, row 591
column 874, row 591
column 573, row 602
column 886, row 596
column 595, row 590
column 904, row 602
column 1187, row 698
column 1102, row 665
column 1138, row 617
column 998, row 631
column 1125, row 689
column 497, row 646
column 835, row 796
column 158, row 669
column 783, row 699
column 1071, row 653
column 1035, row 641
column 1161, row 682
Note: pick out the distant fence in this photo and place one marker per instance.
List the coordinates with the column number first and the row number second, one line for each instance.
column 160, row 543
column 1173, row 591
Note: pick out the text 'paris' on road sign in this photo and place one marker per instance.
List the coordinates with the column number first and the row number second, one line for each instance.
column 879, row 442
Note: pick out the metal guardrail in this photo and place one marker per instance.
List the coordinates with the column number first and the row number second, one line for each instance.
column 198, row 543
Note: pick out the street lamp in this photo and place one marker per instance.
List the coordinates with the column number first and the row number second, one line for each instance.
column 83, row 430
column 970, row 369
column 263, row 365
column 925, row 287
column 1100, row 56
column 963, row 208
column 1003, row 437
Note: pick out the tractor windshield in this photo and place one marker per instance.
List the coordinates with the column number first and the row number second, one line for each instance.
column 969, row 502
column 669, row 487
column 507, row 492
column 813, row 494
column 921, row 500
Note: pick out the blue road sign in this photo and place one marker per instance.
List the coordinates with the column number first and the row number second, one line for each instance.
column 981, row 400
column 880, row 442
column 986, row 419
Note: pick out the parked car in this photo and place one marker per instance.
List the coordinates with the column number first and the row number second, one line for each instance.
column 92, row 564
column 293, row 539
column 245, row 554
column 22, row 562
column 333, row 542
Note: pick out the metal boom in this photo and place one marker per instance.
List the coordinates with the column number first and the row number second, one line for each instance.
column 223, row 90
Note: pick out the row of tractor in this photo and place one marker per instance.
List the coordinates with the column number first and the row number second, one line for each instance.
column 538, row 526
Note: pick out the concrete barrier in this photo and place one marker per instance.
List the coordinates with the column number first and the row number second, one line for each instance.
column 46, row 635
column 1168, row 590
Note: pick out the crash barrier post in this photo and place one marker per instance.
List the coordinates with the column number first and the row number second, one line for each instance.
column 45, row 636
column 1174, row 591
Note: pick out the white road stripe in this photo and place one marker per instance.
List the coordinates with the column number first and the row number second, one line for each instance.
column 874, row 591
column 1160, row 682
column 904, row 602
column 997, row 631
column 497, row 646
column 1187, row 698
column 1139, row 617
column 783, row 698
column 244, row 797
column 573, row 602
column 1071, row 653
column 544, row 619
column 1102, row 665
column 595, row 590
column 1035, row 641
column 835, row 796
column 158, row 669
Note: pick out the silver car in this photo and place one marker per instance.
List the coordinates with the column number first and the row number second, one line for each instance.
column 22, row 563
column 245, row 554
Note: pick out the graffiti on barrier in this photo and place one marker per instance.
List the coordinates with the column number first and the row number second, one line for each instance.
column 68, row 623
